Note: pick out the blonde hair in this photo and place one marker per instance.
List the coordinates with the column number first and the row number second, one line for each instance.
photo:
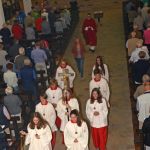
column 21, row 51
column 27, row 62
column 145, row 78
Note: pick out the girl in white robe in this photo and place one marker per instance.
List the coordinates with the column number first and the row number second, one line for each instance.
column 97, row 112
column 64, row 108
column 39, row 134
column 64, row 71
column 76, row 133
column 101, row 66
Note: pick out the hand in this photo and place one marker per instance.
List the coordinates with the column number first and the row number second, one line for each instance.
column 37, row 136
column 96, row 113
column 23, row 133
column 54, row 105
column 76, row 141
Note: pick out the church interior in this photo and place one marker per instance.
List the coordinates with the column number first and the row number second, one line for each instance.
column 80, row 65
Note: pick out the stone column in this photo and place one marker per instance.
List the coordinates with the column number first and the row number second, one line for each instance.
column 2, row 19
column 27, row 6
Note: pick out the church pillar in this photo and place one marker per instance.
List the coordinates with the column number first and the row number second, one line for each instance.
column 2, row 19
column 27, row 6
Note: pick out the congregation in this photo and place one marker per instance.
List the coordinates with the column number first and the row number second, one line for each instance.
column 138, row 49
column 37, row 95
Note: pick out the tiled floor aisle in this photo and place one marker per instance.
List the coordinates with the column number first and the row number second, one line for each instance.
column 111, row 46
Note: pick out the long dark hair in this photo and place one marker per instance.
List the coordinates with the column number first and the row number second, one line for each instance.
column 101, row 64
column 76, row 113
column 69, row 91
column 41, row 124
column 99, row 99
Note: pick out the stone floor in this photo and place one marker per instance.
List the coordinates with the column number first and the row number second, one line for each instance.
column 111, row 46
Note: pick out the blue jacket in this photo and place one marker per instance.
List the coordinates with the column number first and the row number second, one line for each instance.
column 28, row 77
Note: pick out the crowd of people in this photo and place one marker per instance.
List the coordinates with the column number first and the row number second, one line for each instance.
column 138, row 49
column 38, row 115
column 59, row 110
column 26, row 43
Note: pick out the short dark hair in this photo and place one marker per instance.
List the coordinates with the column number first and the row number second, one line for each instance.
column 9, row 66
column 99, row 99
column 97, row 71
column 142, row 54
column 76, row 113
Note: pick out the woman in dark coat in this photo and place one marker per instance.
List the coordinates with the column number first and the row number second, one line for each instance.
column 146, row 131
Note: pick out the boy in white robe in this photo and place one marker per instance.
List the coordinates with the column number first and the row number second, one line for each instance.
column 76, row 133
column 65, row 75
column 54, row 93
column 101, row 83
column 47, row 111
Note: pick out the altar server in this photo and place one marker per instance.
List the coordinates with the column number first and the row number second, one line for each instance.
column 99, row 82
column 65, row 75
column 101, row 66
column 76, row 133
column 39, row 134
column 97, row 112
column 65, row 106
column 54, row 93
column 47, row 111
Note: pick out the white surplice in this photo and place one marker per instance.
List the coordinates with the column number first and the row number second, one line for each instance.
column 48, row 113
column 72, row 132
column 61, row 110
column 54, row 95
column 59, row 76
column 105, row 76
column 102, row 85
column 100, row 120
column 44, row 143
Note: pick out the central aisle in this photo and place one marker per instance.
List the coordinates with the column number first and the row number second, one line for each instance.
column 111, row 47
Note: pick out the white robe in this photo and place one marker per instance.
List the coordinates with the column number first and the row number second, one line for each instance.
column 103, row 85
column 61, row 110
column 59, row 78
column 44, row 143
column 48, row 113
column 81, row 136
column 100, row 120
column 54, row 95
column 143, row 106
column 105, row 76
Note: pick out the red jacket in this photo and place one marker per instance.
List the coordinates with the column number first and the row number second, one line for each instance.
column 75, row 51
column 17, row 32
column 38, row 24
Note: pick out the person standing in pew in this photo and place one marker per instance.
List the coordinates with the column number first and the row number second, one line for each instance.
column 39, row 57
